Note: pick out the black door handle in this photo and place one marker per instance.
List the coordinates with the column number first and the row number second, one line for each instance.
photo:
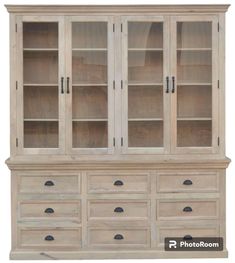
column 49, row 183
column 187, row 182
column 118, row 237
column 187, row 209
column 187, row 237
column 167, row 84
column 49, row 238
column 49, row 211
column 118, row 210
column 62, row 85
column 173, row 85
column 118, row 183
column 67, row 85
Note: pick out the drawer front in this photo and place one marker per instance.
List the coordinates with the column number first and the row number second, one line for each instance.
column 118, row 183
column 188, row 182
column 187, row 209
column 122, row 238
column 50, row 209
column 50, row 238
column 50, row 184
column 186, row 231
column 118, row 210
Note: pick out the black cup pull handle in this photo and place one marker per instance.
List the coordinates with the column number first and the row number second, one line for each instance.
column 118, row 210
column 187, row 182
column 173, row 85
column 187, row 209
column 118, row 183
column 187, row 237
column 62, row 85
column 49, row 238
column 49, row 183
column 49, row 211
column 118, row 237
column 67, row 85
column 167, row 84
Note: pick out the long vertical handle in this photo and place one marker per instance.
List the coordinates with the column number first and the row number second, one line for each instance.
column 67, row 85
column 62, row 85
column 173, row 85
column 167, row 84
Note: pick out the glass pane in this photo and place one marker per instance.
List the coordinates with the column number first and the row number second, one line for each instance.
column 194, row 84
column 40, row 134
column 40, row 79
column 40, row 35
column 89, row 35
column 145, row 102
column 90, row 134
column 89, row 67
column 145, row 88
column 145, row 134
column 90, row 90
column 90, row 102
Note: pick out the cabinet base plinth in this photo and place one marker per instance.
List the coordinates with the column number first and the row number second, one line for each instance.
column 131, row 254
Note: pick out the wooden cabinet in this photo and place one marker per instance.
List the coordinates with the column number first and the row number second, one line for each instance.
column 117, row 129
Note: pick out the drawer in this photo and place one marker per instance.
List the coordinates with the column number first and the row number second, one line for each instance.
column 118, row 183
column 118, row 209
column 188, row 182
column 187, row 232
column 187, row 209
column 50, row 238
column 50, row 209
column 50, row 184
column 119, row 238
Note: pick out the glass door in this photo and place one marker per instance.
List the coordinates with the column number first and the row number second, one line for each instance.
column 194, row 83
column 39, row 86
column 90, row 70
column 145, row 101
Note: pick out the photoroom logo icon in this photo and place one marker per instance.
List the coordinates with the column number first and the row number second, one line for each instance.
column 172, row 244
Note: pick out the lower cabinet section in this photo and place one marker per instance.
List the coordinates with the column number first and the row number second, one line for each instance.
column 118, row 238
column 82, row 214
column 49, row 238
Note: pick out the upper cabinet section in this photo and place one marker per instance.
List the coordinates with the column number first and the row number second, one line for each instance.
column 92, row 80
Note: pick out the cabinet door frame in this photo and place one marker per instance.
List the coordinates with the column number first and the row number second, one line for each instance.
column 215, row 77
column 111, row 77
column 166, row 96
column 20, row 149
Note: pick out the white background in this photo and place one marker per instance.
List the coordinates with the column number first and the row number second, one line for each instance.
column 5, row 218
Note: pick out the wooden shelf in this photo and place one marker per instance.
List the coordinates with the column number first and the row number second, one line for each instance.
column 41, row 49
column 194, row 49
column 194, row 119
column 80, row 120
column 89, row 49
column 41, row 119
column 145, row 119
column 40, row 85
column 89, row 84
column 194, row 84
column 145, row 49
column 144, row 84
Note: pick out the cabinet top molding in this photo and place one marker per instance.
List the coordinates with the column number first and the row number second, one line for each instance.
column 80, row 9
